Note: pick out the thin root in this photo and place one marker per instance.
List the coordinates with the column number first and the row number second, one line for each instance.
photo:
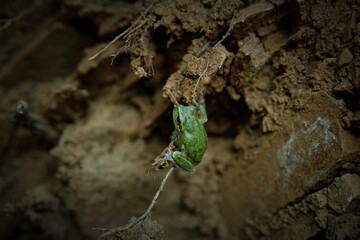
column 172, row 98
column 127, row 33
column 213, row 47
column 142, row 217
column 227, row 32
column 109, row 44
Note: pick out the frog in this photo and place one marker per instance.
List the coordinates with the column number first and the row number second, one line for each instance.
column 189, row 137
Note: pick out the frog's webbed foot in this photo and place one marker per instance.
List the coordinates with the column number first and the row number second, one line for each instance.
column 201, row 100
column 168, row 156
column 200, row 107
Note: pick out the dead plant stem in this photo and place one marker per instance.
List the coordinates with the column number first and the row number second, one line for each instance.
column 109, row 44
column 145, row 215
column 127, row 33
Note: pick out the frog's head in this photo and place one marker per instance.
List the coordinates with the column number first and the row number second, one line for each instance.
column 180, row 114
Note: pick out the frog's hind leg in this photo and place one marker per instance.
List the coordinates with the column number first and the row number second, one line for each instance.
column 182, row 162
column 178, row 159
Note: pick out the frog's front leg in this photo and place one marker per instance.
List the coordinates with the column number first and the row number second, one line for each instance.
column 175, row 137
column 201, row 106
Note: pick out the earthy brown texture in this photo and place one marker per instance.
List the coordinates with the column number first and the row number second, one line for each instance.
column 281, row 81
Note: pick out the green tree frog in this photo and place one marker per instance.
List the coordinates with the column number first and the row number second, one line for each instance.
column 189, row 136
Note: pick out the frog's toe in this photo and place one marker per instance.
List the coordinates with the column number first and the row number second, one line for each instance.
column 201, row 99
column 167, row 155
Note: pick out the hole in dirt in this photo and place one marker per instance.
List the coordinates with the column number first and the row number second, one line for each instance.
column 319, row 236
column 291, row 22
column 225, row 115
column 84, row 26
column 167, row 58
column 160, row 36
column 246, row 2
column 292, row 45
column 230, row 44
column 349, row 97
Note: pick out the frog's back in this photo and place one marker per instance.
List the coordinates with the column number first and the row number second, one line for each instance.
column 198, row 144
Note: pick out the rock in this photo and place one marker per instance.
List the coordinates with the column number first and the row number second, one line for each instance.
column 345, row 193
column 345, row 57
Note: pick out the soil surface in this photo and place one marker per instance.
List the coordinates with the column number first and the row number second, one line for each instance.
column 82, row 120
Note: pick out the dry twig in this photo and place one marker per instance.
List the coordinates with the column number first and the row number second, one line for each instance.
column 127, row 34
column 142, row 217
